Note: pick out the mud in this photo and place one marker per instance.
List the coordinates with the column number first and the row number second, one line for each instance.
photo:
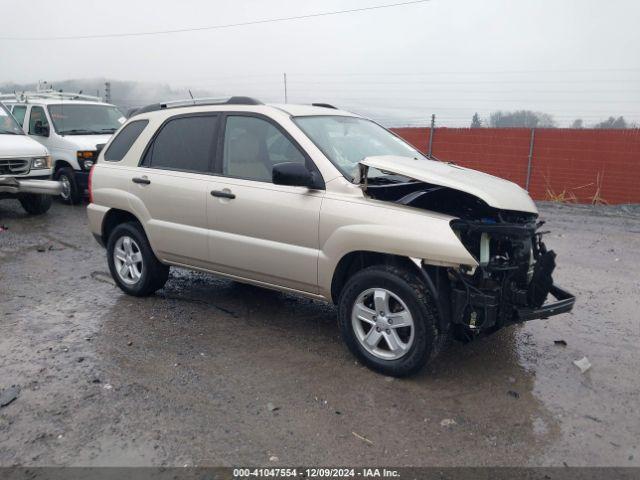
column 211, row 372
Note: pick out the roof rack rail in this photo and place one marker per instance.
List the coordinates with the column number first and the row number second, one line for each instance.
column 198, row 102
column 324, row 105
column 48, row 95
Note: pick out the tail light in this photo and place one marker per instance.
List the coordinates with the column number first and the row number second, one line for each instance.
column 91, row 183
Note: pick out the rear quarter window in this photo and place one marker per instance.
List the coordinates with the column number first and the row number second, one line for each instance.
column 124, row 140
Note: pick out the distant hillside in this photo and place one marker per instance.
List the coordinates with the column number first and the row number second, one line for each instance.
column 123, row 93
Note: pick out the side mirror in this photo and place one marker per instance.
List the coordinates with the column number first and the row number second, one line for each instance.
column 292, row 174
column 40, row 129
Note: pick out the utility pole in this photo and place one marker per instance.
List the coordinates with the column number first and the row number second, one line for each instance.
column 431, row 132
column 107, row 92
column 285, row 88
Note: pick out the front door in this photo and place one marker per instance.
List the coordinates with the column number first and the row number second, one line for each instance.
column 39, row 128
column 259, row 230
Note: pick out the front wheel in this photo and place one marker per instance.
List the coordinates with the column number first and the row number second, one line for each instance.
column 70, row 193
column 132, row 263
column 388, row 319
column 35, row 203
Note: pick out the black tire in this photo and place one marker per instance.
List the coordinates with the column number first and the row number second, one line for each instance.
column 74, row 195
column 410, row 288
column 35, row 203
column 154, row 274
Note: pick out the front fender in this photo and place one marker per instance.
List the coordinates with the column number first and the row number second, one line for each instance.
column 396, row 231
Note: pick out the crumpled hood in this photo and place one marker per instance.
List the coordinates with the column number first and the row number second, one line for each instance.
column 496, row 192
column 87, row 142
column 12, row 146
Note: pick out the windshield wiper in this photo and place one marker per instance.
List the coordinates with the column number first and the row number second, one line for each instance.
column 108, row 130
column 78, row 131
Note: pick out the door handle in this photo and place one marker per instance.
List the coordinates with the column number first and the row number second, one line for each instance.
column 141, row 180
column 222, row 194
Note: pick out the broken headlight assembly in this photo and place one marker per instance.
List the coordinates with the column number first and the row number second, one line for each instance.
column 513, row 278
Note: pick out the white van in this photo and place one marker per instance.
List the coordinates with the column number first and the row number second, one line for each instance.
column 73, row 127
column 25, row 167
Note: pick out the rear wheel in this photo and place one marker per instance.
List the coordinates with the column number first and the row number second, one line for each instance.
column 35, row 204
column 132, row 263
column 388, row 320
column 70, row 192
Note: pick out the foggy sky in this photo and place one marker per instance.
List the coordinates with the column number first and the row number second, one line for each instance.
column 570, row 58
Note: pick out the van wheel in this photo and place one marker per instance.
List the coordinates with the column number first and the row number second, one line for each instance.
column 35, row 204
column 132, row 263
column 388, row 320
column 70, row 192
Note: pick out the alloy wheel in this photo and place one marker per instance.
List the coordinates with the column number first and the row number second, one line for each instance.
column 382, row 323
column 127, row 259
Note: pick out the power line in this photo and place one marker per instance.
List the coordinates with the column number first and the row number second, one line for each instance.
column 216, row 27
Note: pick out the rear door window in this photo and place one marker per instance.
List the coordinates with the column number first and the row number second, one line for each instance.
column 184, row 143
column 124, row 140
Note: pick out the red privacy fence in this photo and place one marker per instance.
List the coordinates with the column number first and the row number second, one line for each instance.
column 585, row 166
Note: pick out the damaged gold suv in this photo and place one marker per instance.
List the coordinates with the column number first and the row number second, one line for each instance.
column 329, row 205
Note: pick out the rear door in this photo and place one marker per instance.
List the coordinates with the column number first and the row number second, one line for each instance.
column 259, row 230
column 170, row 188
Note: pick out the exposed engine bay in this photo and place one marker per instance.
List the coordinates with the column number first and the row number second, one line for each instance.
column 514, row 276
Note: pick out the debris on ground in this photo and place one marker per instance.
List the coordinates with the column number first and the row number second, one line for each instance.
column 8, row 395
column 583, row 364
column 447, row 422
column 272, row 408
column 560, row 342
column 513, row 393
column 364, row 439
column 273, row 458
column 3, row 228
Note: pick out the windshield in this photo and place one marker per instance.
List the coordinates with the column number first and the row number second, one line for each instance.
column 8, row 124
column 70, row 119
column 348, row 140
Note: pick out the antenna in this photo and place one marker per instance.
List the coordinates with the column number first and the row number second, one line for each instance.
column 285, row 88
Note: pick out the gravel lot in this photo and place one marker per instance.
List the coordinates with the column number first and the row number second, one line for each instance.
column 211, row 372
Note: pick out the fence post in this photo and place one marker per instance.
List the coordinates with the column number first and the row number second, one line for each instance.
column 528, row 179
column 433, row 127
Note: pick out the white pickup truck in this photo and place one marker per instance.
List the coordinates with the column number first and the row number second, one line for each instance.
column 25, row 167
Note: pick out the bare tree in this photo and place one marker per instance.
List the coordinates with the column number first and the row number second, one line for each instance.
column 612, row 122
column 521, row 118
column 577, row 123
column 475, row 121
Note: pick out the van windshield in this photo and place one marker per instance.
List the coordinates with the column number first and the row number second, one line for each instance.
column 8, row 124
column 346, row 141
column 70, row 119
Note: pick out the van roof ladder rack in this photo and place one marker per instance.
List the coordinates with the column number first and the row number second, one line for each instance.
column 48, row 95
